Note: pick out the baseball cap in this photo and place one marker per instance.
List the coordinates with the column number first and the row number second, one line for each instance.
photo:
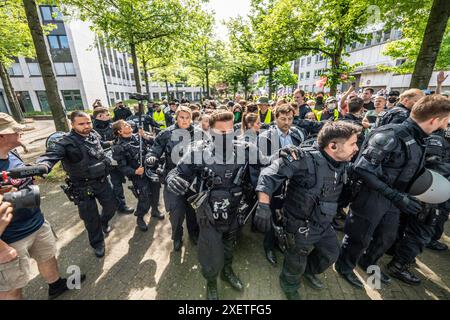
column 8, row 125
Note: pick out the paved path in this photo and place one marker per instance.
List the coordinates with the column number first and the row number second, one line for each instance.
column 142, row 265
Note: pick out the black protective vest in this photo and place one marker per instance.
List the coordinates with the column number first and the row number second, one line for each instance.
column 397, row 111
column 106, row 133
column 411, row 155
column 225, row 193
column 94, row 163
column 316, row 196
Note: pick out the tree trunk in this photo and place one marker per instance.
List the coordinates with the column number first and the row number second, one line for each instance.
column 9, row 92
column 336, row 63
column 207, row 82
column 137, row 76
column 48, row 76
column 167, row 89
column 147, row 82
column 270, row 80
column 432, row 39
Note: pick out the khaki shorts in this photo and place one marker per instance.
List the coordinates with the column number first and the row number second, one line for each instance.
column 40, row 246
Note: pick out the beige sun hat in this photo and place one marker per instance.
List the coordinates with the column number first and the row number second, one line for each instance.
column 8, row 125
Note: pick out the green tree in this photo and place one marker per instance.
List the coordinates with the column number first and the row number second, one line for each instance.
column 202, row 53
column 284, row 77
column 256, row 36
column 127, row 23
column 45, row 64
column 322, row 27
column 15, row 41
column 425, row 41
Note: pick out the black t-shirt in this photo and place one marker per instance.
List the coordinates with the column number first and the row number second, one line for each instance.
column 369, row 106
column 25, row 221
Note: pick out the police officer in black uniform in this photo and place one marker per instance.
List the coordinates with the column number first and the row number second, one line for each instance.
column 421, row 228
column 121, row 111
column 171, row 143
column 129, row 152
column 270, row 141
column 87, row 166
column 219, row 167
column 103, row 126
column 316, row 179
column 402, row 109
column 392, row 158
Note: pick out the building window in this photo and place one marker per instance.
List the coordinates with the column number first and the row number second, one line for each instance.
column 43, row 101
column 308, row 74
column 122, row 97
column 65, row 69
column 34, row 69
column 308, row 61
column 58, row 42
column 155, row 95
column 25, row 101
column 117, row 96
column 302, row 75
column 113, row 72
column 189, row 96
column 386, row 35
column 15, row 70
column 106, row 70
column 72, row 99
column 302, row 62
column 49, row 13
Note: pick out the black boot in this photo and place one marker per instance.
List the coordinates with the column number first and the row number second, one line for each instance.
column 229, row 276
column 314, row 281
column 211, row 290
column 292, row 295
column 177, row 245
column 141, row 224
column 401, row 272
column 125, row 210
column 350, row 277
column 157, row 214
column 437, row 246
column 271, row 257
column 99, row 250
column 106, row 228
column 59, row 287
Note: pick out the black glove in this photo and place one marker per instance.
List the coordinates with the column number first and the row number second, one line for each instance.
column 263, row 217
column 177, row 185
column 151, row 161
column 290, row 153
column 407, row 204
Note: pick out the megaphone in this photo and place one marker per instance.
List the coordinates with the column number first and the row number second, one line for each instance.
column 431, row 187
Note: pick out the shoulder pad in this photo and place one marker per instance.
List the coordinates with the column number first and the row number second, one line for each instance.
column 384, row 140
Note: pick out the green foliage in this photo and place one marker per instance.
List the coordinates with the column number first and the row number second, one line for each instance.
column 15, row 36
column 283, row 76
column 408, row 47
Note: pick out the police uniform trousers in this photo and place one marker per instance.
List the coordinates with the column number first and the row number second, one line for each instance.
column 142, row 187
column 101, row 190
column 417, row 235
column 155, row 190
column 439, row 228
column 313, row 253
column 118, row 179
column 370, row 227
column 215, row 246
column 179, row 209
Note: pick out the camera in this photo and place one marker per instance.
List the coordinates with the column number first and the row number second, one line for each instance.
column 138, row 96
column 29, row 196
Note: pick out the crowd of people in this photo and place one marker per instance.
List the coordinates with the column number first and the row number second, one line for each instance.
column 297, row 169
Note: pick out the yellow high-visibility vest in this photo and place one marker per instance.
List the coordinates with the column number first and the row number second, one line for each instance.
column 268, row 118
column 336, row 115
column 160, row 118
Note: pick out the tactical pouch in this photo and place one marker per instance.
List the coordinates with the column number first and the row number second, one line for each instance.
column 97, row 170
column 328, row 208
